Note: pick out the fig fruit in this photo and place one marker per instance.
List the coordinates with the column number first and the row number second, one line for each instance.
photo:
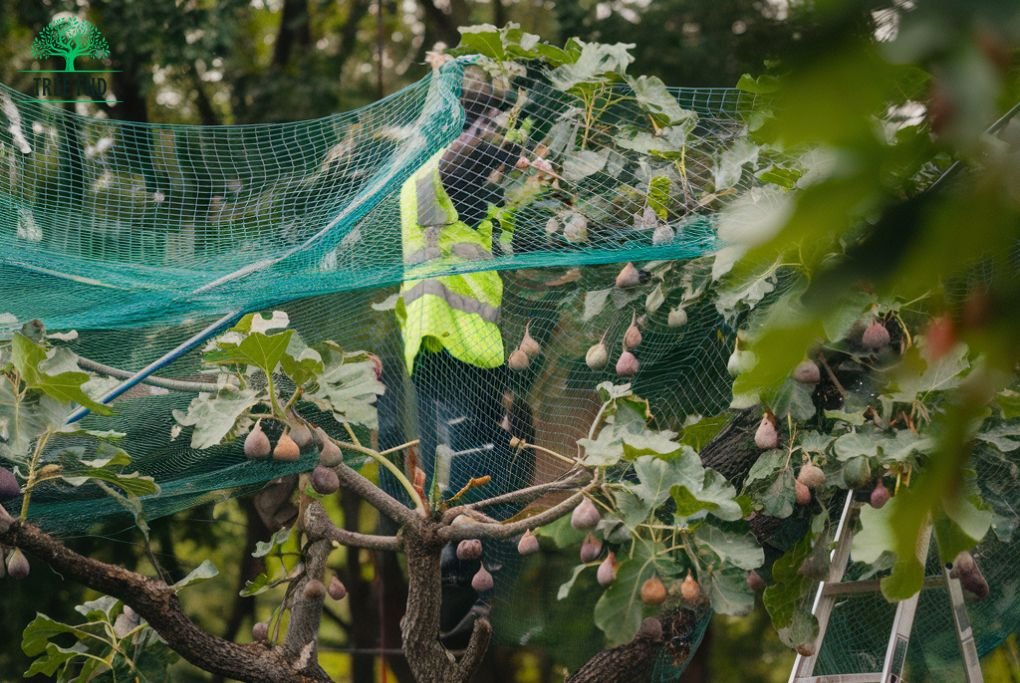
column 597, row 356
column 329, row 455
column 314, row 590
column 689, row 589
column 811, row 476
column 807, row 372
column 469, row 549
column 875, row 335
column 606, row 572
column 677, row 317
column 17, row 564
column 528, row 344
column 585, row 516
column 482, row 580
column 5, row 521
column 653, row 591
column 755, row 582
column 256, row 444
column 740, row 361
column 766, row 436
column 528, row 545
column 260, row 631
column 9, row 484
column 518, row 360
column 879, row 495
column 576, row 229
column 301, row 434
column 325, row 480
column 857, row 472
column 286, row 449
column 632, row 337
column 590, row 549
column 629, row 276
column 336, row 589
column 627, row 365
column 802, row 493
column 663, row 234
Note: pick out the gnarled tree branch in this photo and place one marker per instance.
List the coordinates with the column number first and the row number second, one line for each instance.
column 159, row 605
column 318, row 525
column 376, row 497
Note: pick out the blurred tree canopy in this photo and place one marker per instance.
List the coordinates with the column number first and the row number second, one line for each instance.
column 238, row 61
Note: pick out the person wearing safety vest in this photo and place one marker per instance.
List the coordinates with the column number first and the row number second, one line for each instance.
column 453, row 346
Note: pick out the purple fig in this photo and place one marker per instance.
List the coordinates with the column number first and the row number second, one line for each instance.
column 875, row 336
column 528, row 545
column 766, row 436
column 585, row 516
column 256, row 444
column 879, row 495
column 807, row 372
column 325, row 480
column 469, row 549
column 314, row 590
column 590, row 549
column 336, row 589
column 606, row 572
column 627, row 365
column 17, row 564
column 8, row 484
column 482, row 580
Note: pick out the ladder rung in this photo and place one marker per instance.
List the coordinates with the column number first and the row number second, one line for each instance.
column 873, row 677
column 872, row 586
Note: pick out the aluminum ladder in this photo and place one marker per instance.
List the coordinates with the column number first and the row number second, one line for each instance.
column 833, row 587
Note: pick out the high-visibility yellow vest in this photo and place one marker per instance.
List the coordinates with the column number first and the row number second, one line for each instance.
column 459, row 313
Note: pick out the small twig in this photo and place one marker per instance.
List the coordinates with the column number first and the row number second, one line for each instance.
column 390, row 451
column 832, row 376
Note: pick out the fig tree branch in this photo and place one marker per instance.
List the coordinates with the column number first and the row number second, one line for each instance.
column 318, row 525
column 159, row 605
column 376, row 497
column 472, row 529
column 528, row 494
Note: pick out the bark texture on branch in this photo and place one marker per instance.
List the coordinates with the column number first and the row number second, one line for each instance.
column 635, row 661
column 159, row 605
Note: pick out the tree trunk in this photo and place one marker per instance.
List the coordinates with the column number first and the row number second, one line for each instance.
column 430, row 662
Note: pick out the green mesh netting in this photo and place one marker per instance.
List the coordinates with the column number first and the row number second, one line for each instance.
column 138, row 236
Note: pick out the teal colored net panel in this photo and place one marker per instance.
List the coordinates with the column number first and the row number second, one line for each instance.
column 139, row 236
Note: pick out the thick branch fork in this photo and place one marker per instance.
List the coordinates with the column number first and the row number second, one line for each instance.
column 159, row 605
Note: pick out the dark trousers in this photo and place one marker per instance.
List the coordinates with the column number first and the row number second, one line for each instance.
column 460, row 407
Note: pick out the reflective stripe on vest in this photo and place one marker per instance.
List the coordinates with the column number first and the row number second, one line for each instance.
column 458, row 301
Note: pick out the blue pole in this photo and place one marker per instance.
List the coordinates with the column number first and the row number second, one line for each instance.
column 161, row 362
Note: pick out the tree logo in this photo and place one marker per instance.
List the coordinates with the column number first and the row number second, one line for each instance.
column 71, row 38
